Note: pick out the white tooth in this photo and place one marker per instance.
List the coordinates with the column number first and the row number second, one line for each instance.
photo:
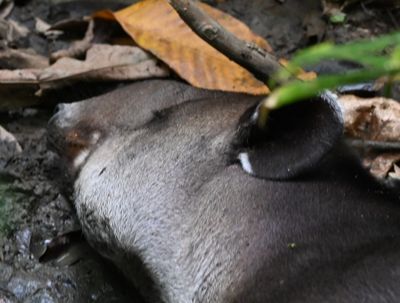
column 80, row 158
column 244, row 160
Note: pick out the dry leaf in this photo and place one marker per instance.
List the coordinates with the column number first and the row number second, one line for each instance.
column 6, row 8
column 155, row 26
column 302, row 74
column 395, row 174
column 21, row 58
column 11, row 31
column 376, row 119
column 103, row 63
column 382, row 165
column 18, row 87
column 41, row 26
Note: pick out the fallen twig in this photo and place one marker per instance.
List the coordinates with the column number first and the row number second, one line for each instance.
column 78, row 48
column 6, row 8
column 249, row 55
column 375, row 145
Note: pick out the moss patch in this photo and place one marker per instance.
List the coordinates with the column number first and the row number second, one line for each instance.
column 12, row 211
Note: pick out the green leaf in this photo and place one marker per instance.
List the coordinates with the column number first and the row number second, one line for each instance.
column 379, row 57
column 338, row 17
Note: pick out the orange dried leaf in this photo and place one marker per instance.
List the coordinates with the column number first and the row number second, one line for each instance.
column 302, row 75
column 156, row 27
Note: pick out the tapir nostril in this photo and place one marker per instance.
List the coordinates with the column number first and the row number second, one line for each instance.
column 59, row 115
column 59, row 108
column 52, row 122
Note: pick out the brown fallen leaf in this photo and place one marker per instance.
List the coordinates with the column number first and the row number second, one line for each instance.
column 84, row 32
column 103, row 63
column 376, row 122
column 395, row 174
column 24, row 87
column 11, row 31
column 17, row 88
column 21, row 58
column 156, row 27
column 302, row 74
column 375, row 119
column 41, row 26
column 382, row 165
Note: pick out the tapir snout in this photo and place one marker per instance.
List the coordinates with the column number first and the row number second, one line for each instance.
column 194, row 203
column 73, row 139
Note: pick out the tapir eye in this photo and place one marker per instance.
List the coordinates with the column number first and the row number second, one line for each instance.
column 73, row 138
column 82, row 139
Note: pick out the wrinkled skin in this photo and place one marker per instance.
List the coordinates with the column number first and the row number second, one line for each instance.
column 181, row 191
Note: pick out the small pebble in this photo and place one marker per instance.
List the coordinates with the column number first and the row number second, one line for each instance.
column 22, row 287
column 42, row 296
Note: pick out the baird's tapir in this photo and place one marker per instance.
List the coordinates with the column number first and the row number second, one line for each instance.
column 194, row 203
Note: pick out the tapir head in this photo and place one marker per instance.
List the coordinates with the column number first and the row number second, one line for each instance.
column 296, row 138
column 77, row 128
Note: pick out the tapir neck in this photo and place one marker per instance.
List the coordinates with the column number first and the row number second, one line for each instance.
column 331, row 241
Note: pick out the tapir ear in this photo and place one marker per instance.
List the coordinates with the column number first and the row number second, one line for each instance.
column 296, row 138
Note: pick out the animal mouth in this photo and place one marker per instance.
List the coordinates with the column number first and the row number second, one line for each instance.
column 72, row 145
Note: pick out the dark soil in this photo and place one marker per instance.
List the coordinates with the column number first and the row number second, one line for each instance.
column 34, row 206
column 36, row 211
column 290, row 25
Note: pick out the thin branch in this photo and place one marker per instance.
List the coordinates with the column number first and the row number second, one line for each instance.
column 248, row 55
column 77, row 48
column 376, row 145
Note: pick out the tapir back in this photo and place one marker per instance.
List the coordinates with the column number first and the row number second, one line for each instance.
column 169, row 202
